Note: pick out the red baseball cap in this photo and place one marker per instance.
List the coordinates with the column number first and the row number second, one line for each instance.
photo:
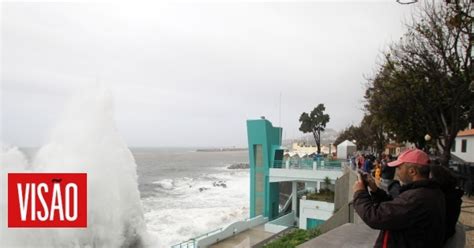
column 414, row 156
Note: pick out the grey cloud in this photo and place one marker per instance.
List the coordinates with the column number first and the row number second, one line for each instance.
column 209, row 64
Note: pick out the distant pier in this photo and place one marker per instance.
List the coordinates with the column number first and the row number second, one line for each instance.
column 221, row 149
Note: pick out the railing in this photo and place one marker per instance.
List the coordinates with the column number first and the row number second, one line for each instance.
column 192, row 242
column 307, row 164
column 186, row 244
column 222, row 233
column 229, row 231
column 282, row 223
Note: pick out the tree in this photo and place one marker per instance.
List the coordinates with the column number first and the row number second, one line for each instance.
column 346, row 134
column 425, row 84
column 370, row 134
column 327, row 182
column 314, row 123
column 375, row 133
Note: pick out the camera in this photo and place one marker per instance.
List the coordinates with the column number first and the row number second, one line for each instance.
column 363, row 177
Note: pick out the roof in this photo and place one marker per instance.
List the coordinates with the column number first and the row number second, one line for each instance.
column 393, row 145
column 469, row 132
column 346, row 143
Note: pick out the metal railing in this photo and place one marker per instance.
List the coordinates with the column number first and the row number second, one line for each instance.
column 185, row 244
column 195, row 242
column 307, row 164
column 192, row 242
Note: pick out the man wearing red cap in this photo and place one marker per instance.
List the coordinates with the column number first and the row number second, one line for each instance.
column 416, row 217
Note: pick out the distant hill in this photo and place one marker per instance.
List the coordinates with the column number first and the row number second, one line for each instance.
column 327, row 137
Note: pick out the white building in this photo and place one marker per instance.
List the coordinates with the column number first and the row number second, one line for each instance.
column 314, row 213
column 345, row 148
column 463, row 146
column 309, row 149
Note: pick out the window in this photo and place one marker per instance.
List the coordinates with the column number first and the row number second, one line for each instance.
column 453, row 147
column 259, row 182
column 392, row 151
column 258, row 156
column 259, row 179
column 463, row 145
column 259, row 206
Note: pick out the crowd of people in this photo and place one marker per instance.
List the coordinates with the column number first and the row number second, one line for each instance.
column 413, row 201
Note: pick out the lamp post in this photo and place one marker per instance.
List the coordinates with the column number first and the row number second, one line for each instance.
column 427, row 139
column 406, row 1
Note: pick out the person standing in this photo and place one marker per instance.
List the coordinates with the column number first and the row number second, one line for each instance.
column 416, row 217
column 453, row 196
column 388, row 173
column 377, row 171
column 368, row 165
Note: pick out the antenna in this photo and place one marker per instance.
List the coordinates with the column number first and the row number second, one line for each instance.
column 280, row 111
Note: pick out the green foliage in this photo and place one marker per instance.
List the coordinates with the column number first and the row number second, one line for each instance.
column 425, row 84
column 294, row 238
column 370, row 133
column 327, row 182
column 347, row 134
column 315, row 123
column 323, row 195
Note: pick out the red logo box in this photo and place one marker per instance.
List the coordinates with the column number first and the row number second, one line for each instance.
column 47, row 200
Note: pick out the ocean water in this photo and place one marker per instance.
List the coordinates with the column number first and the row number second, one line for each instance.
column 186, row 193
column 146, row 196
column 183, row 194
column 85, row 139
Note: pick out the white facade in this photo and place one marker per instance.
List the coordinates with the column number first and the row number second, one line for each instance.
column 314, row 210
column 468, row 154
column 345, row 148
column 307, row 150
column 299, row 175
column 280, row 224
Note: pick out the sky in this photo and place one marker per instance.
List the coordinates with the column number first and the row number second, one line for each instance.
column 188, row 74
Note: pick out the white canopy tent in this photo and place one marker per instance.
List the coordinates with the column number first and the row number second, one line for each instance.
column 345, row 148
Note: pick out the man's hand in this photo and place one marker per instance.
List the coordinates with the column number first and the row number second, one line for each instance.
column 371, row 183
column 358, row 186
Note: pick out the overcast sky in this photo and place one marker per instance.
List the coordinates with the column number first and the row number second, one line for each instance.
column 191, row 74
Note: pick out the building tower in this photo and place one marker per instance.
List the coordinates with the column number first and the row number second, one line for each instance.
column 264, row 149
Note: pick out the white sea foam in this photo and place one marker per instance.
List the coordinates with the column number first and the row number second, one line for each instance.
column 165, row 183
column 171, row 220
column 86, row 140
column 11, row 160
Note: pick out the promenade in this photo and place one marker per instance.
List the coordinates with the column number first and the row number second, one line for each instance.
column 467, row 219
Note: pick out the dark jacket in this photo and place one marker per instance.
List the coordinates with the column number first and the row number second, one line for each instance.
column 368, row 165
column 453, row 198
column 415, row 218
column 387, row 171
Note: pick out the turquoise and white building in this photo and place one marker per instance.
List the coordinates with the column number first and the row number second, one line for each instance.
column 269, row 168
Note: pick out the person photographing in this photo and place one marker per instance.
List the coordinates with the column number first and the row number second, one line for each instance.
column 416, row 217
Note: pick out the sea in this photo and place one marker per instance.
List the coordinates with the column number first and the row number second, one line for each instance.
column 174, row 195
column 186, row 193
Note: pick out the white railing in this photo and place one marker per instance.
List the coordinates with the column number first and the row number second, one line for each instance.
column 282, row 223
column 220, row 234
column 186, row 244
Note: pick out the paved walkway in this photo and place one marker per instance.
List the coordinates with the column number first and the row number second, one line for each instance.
column 467, row 219
column 360, row 235
column 245, row 239
column 346, row 236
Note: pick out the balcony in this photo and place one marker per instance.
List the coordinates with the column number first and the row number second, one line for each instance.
column 308, row 164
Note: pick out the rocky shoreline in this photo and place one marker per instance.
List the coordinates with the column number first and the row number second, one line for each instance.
column 238, row 166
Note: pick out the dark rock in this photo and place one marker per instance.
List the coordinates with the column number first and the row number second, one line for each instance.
column 202, row 189
column 219, row 184
column 239, row 166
